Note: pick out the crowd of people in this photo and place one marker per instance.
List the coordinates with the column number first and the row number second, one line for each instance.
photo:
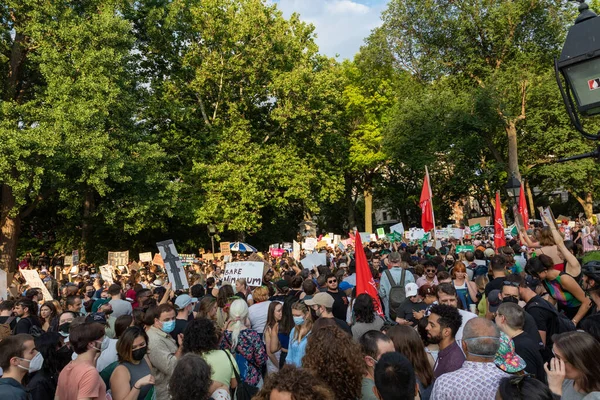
column 517, row 322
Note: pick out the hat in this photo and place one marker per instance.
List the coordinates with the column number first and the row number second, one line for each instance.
column 44, row 271
column 157, row 282
column 411, row 289
column 489, row 253
column 321, row 299
column 96, row 317
column 394, row 257
column 184, row 300
column 494, row 300
column 531, row 282
column 506, row 357
column 282, row 284
column 98, row 303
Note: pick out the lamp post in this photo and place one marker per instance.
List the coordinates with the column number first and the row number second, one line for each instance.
column 212, row 230
column 579, row 65
column 513, row 188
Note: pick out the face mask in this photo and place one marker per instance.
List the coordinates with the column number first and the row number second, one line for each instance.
column 138, row 354
column 313, row 314
column 35, row 364
column 168, row 326
column 298, row 320
column 64, row 329
column 90, row 293
column 449, row 263
column 510, row 299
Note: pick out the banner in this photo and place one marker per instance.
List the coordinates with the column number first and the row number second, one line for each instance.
column 499, row 239
column 314, row 260
column 364, row 279
column 116, row 258
column 225, row 249
column 107, row 271
column 475, row 228
column 251, row 271
column 173, row 265
column 34, row 281
column 523, row 212
column 464, row 249
column 146, row 257
column 427, row 217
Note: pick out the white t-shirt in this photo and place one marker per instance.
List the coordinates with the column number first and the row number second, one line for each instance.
column 108, row 356
column 258, row 313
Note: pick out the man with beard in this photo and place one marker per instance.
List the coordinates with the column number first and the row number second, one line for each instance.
column 443, row 323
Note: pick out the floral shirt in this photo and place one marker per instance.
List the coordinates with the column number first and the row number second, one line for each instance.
column 251, row 347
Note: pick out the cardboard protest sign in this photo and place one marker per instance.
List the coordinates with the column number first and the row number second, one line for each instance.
column 251, row 271
column 464, row 249
column 337, row 239
column 187, row 258
column 134, row 266
column 116, row 258
column 3, row 285
column 475, row 228
column 397, row 228
column 296, row 250
column 158, row 260
column 225, row 249
column 34, row 281
column 75, row 257
column 309, row 244
column 173, row 265
column 107, row 271
column 68, row 260
column 442, row 234
column 483, row 221
column 146, row 257
column 314, row 260
column 208, row 256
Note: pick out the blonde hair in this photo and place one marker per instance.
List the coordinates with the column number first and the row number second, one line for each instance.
column 238, row 312
column 260, row 294
column 308, row 322
column 481, row 281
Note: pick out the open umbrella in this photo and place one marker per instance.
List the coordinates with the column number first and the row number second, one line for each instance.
column 242, row 247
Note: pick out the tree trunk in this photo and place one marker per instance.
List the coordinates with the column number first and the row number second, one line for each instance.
column 587, row 203
column 513, row 157
column 10, row 230
column 368, row 211
column 530, row 200
column 88, row 209
column 349, row 203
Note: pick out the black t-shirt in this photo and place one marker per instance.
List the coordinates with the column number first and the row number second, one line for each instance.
column 495, row 283
column 532, row 331
column 12, row 324
column 343, row 325
column 340, row 304
column 545, row 320
column 529, row 351
column 180, row 325
column 24, row 325
column 405, row 310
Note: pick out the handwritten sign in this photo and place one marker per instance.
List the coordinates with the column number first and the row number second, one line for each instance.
column 225, row 249
column 68, row 260
column 187, row 258
column 399, row 227
column 146, row 257
column 251, row 271
column 314, row 260
column 309, row 244
column 157, row 260
column 116, row 258
column 75, row 256
column 106, row 271
column 34, row 281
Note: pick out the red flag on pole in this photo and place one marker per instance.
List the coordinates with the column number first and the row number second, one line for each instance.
column 427, row 219
column 364, row 278
column 499, row 239
column 523, row 208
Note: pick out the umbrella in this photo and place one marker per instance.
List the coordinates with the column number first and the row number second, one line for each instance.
column 242, row 247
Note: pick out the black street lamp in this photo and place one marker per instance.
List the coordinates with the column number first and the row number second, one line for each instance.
column 579, row 65
column 212, row 230
column 513, row 187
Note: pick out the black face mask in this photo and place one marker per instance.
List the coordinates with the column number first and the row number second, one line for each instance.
column 449, row 263
column 139, row 353
column 64, row 327
column 90, row 293
column 510, row 299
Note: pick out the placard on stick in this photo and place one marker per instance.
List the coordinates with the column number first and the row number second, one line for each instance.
column 116, row 258
column 146, row 257
column 34, row 281
column 225, row 249
column 173, row 265
column 251, row 271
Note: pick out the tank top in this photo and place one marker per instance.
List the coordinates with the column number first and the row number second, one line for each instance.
column 137, row 372
column 463, row 294
column 562, row 297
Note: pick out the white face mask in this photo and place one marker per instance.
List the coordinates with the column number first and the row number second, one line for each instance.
column 35, row 364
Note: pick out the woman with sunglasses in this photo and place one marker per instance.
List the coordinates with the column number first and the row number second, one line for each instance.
column 574, row 371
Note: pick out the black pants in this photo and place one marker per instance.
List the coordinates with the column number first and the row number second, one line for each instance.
column 282, row 357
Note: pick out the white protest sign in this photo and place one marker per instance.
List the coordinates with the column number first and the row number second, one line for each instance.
column 309, row 244
column 458, row 233
column 251, row 271
column 173, row 265
column 442, row 234
column 365, row 237
column 399, row 228
column 34, row 281
column 146, row 257
column 314, row 260
column 107, row 273
column 337, row 239
column 417, row 233
column 116, row 258
column 296, row 251
column 3, row 285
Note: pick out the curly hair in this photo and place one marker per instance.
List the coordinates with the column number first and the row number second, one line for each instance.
column 190, row 379
column 300, row 382
column 200, row 336
column 364, row 311
column 345, row 375
column 449, row 317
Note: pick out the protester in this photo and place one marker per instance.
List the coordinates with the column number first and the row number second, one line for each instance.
column 405, row 313
column 299, row 333
column 343, row 376
column 191, row 380
column 466, row 289
column 224, row 294
column 258, row 312
column 295, row 384
column 132, row 378
column 429, row 278
column 365, row 317
column 395, row 378
column 207, row 308
column 444, row 322
column 48, row 316
column 18, row 357
column 446, row 294
column 396, row 275
column 373, row 345
column 29, row 322
column 523, row 387
column 42, row 384
column 340, row 300
column 184, row 304
column 322, row 304
column 271, row 336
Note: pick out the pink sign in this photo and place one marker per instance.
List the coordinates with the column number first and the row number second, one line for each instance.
column 276, row 252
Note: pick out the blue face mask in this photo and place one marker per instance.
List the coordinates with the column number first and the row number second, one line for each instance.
column 298, row 320
column 168, row 326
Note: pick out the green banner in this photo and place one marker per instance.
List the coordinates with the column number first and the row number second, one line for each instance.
column 380, row 232
column 463, row 249
column 475, row 228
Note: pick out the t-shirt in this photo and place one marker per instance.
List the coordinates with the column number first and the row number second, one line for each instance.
column 10, row 389
column 532, row 331
column 80, row 380
column 529, row 351
column 120, row 307
column 24, row 325
column 221, row 370
column 340, row 304
column 405, row 310
column 494, row 284
column 368, row 389
column 258, row 313
column 544, row 318
column 180, row 325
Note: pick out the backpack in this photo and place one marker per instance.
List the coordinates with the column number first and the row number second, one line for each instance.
column 562, row 323
column 397, row 293
column 5, row 330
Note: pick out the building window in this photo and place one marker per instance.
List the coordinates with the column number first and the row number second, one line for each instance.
column 384, row 216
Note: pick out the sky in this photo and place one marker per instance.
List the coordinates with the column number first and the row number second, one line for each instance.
column 340, row 25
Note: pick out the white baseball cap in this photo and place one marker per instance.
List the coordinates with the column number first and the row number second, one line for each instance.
column 411, row 289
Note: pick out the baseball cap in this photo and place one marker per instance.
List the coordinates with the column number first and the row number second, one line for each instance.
column 494, row 300
column 184, row 300
column 506, row 357
column 98, row 303
column 394, row 257
column 96, row 317
column 489, row 253
column 321, row 299
column 411, row 289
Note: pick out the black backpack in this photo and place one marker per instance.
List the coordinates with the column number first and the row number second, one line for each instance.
column 397, row 293
column 562, row 323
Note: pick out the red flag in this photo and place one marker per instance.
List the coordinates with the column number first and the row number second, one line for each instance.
column 523, row 208
column 499, row 239
column 427, row 219
column 364, row 278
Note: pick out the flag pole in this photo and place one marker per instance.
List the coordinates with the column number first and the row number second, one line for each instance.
column 431, row 197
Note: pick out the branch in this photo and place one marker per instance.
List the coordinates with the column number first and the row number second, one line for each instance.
column 36, row 201
column 203, row 110
column 523, row 99
column 579, row 199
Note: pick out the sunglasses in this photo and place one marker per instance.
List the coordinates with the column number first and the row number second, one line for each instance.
column 507, row 283
column 332, row 281
column 430, row 270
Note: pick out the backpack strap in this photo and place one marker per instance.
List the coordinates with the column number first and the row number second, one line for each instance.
column 391, row 279
column 403, row 277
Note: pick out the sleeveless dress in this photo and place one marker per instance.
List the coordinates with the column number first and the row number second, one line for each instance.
column 137, row 372
column 463, row 294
